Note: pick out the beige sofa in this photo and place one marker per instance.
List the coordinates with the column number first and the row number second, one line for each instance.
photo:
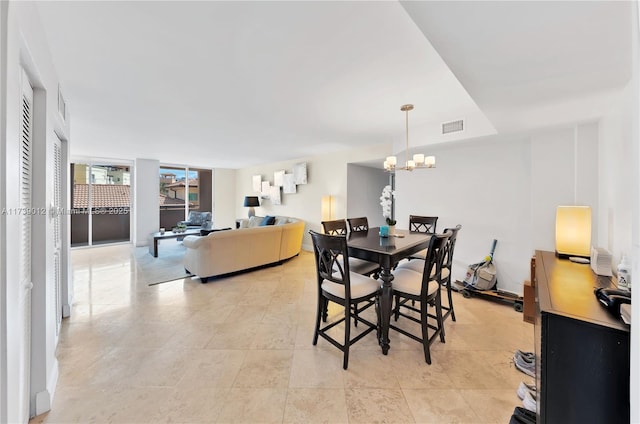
column 250, row 246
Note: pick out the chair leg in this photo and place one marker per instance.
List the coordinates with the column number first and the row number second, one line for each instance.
column 355, row 315
column 319, row 313
column 453, row 314
column 325, row 309
column 425, row 333
column 379, row 319
column 440, row 323
column 396, row 310
column 347, row 335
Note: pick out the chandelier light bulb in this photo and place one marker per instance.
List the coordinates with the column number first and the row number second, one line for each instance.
column 419, row 159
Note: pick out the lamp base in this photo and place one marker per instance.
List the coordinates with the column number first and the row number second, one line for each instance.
column 252, row 211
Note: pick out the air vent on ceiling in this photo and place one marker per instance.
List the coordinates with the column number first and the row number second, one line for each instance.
column 453, row 126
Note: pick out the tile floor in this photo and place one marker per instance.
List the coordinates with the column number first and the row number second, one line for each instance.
column 238, row 350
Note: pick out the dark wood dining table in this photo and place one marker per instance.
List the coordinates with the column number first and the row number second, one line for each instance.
column 387, row 251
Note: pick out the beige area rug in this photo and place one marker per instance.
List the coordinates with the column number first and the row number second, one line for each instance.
column 166, row 267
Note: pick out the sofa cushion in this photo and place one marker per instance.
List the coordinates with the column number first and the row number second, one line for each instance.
column 268, row 220
column 281, row 220
column 255, row 221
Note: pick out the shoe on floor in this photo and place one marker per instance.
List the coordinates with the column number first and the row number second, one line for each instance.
column 522, row 416
column 527, row 355
column 529, row 402
column 523, row 388
column 525, row 364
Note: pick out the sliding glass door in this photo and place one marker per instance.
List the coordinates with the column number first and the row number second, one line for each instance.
column 100, row 204
column 183, row 189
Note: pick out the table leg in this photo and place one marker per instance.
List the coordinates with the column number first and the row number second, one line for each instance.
column 155, row 247
column 386, row 300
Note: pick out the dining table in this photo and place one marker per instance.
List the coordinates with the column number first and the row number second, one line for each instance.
column 386, row 251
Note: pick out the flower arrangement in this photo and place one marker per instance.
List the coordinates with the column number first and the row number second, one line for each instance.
column 386, row 201
column 180, row 228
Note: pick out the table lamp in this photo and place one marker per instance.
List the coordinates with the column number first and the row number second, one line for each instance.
column 573, row 233
column 251, row 202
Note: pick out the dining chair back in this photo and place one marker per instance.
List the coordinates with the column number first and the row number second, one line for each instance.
column 336, row 227
column 358, row 224
column 423, row 288
column 447, row 263
column 423, row 224
column 336, row 283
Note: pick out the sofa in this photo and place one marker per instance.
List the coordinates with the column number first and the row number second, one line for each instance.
column 258, row 242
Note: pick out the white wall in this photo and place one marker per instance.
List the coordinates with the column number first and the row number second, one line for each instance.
column 326, row 175
column 147, row 201
column 364, row 185
column 224, row 201
column 635, row 223
column 620, row 220
column 4, row 9
column 4, row 6
column 27, row 48
column 503, row 188
column 616, row 166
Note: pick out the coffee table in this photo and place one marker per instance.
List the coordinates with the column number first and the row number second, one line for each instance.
column 153, row 244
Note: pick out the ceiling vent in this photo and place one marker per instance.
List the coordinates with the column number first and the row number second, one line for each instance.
column 453, row 126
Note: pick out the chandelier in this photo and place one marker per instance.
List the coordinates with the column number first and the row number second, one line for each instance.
column 419, row 160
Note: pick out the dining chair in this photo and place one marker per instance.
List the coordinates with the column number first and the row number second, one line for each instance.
column 358, row 224
column 445, row 277
column 360, row 266
column 422, row 224
column 423, row 288
column 336, row 283
column 338, row 227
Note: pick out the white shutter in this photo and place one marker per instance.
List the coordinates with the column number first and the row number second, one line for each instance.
column 26, row 167
column 57, row 231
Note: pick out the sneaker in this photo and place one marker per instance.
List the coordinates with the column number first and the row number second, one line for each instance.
column 525, row 364
column 527, row 355
column 523, row 388
column 522, row 416
column 529, row 402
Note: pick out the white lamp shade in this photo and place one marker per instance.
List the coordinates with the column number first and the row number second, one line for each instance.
column 327, row 208
column 391, row 160
column 418, row 158
column 573, row 231
column 430, row 160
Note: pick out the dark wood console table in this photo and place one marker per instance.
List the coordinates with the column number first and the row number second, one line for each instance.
column 582, row 350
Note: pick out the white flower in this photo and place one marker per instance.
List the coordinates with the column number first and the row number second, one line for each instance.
column 386, row 201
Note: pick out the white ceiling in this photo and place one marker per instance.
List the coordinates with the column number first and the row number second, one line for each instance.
column 232, row 84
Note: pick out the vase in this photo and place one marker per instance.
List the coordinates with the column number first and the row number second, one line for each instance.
column 392, row 230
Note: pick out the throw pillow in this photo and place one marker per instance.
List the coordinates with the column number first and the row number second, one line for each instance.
column 196, row 218
column 268, row 220
column 255, row 221
column 280, row 220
